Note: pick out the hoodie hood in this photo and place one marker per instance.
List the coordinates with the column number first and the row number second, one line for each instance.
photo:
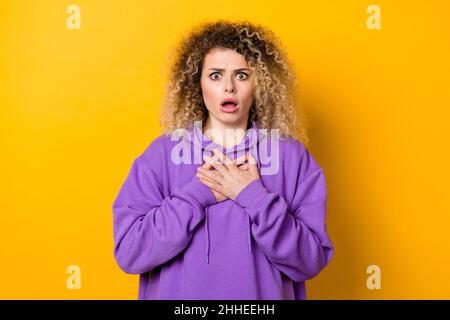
column 204, row 146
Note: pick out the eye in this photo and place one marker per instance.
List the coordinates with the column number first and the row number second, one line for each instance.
column 212, row 75
column 245, row 76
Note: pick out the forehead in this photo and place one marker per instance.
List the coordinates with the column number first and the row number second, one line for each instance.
column 223, row 58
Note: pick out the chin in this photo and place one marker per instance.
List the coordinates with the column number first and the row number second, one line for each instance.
column 231, row 119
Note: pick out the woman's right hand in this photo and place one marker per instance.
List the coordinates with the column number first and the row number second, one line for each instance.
column 240, row 162
column 206, row 166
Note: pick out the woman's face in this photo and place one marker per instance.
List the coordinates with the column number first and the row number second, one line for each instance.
column 226, row 75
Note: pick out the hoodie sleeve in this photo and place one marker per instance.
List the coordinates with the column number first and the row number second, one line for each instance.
column 150, row 229
column 294, row 238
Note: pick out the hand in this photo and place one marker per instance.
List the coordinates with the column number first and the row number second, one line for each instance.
column 207, row 167
column 227, row 178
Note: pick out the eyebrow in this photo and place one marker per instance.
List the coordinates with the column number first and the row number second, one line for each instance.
column 240, row 69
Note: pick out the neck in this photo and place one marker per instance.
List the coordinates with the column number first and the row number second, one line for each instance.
column 226, row 135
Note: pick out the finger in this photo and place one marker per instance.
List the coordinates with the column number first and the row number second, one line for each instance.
column 217, row 165
column 207, row 182
column 202, row 176
column 222, row 157
column 244, row 166
column 212, row 174
column 207, row 166
column 250, row 159
column 229, row 164
column 241, row 160
column 212, row 159
column 252, row 163
column 216, row 187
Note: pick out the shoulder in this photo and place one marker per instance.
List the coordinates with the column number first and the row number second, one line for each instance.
column 290, row 167
column 160, row 146
column 156, row 151
column 296, row 157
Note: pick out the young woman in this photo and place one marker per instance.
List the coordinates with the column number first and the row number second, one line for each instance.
column 228, row 203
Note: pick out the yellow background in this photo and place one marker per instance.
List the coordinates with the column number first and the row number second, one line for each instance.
column 77, row 106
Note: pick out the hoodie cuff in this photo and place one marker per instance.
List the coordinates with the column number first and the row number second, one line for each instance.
column 252, row 194
column 200, row 192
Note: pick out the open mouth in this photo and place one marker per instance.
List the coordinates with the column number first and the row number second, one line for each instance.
column 229, row 106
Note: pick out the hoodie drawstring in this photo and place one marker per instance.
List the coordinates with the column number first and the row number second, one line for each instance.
column 249, row 234
column 207, row 235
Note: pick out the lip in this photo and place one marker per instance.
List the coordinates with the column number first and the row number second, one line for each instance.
column 229, row 100
column 228, row 109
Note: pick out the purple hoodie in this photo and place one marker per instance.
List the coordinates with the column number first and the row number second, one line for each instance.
column 169, row 228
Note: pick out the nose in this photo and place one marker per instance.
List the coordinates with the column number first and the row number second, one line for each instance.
column 229, row 85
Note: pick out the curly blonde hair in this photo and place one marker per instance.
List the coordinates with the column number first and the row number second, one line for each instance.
column 274, row 99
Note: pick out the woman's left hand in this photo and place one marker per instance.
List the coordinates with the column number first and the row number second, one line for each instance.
column 227, row 178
